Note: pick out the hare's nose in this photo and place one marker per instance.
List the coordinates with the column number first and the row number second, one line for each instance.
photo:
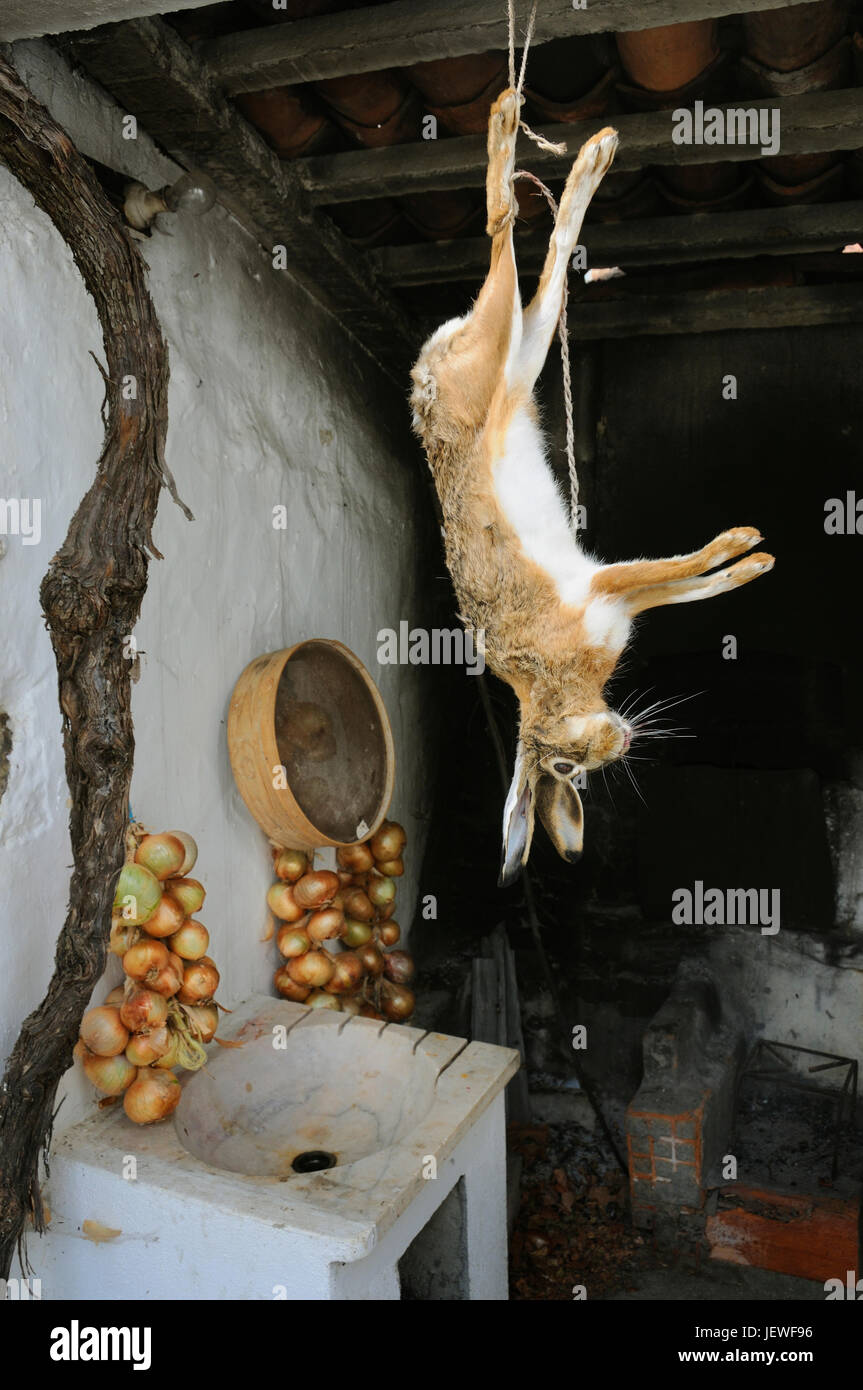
column 564, row 768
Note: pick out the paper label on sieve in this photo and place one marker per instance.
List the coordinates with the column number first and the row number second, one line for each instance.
column 362, row 830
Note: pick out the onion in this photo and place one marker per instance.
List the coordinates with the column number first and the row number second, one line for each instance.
column 384, row 914
column 145, row 959
column 358, row 904
column 123, row 935
column 288, row 988
column 367, row 1011
column 117, row 995
column 204, row 1020
column 191, row 941
column 191, row 851
column 168, row 981
column 389, row 933
column 110, row 1075
column 393, row 868
column 171, row 1058
column 326, row 925
column 388, row 841
column 314, row 969
column 168, row 917
column 356, row 933
column 381, row 891
column 351, row 1005
column 399, row 967
column 291, row 864
column 316, row 888
column 137, row 894
column 190, row 894
column 103, row 1030
column 348, row 972
column 371, row 958
column 144, row 1008
column 282, row 902
column 397, row 1001
column 357, row 858
column 345, row 877
column 144, row 1048
column 319, row 1000
column 152, row 1096
column 292, row 941
column 164, row 855
column 200, row 982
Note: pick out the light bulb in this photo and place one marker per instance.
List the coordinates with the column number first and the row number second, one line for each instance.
column 194, row 192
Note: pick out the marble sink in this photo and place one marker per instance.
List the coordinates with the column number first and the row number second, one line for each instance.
column 306, row 1082
column 210, row 1205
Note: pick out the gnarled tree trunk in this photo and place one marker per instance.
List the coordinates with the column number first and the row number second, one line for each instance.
column 91, row 597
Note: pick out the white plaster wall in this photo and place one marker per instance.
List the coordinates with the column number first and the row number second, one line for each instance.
column 270, row 402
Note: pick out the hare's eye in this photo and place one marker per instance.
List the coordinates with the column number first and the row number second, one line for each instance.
column 564, row 768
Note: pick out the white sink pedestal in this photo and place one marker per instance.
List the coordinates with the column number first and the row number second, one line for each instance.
column 209, row 1206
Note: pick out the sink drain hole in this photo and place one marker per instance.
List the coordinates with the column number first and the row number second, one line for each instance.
column 313, row 1160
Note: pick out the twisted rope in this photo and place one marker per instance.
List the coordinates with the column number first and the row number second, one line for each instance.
column 563, row 336
column 562, row 332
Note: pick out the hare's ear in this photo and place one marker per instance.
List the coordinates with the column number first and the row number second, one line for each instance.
column 517, row 821
column 560, row 810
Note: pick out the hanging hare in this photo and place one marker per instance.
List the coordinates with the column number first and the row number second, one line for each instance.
column 555, row 620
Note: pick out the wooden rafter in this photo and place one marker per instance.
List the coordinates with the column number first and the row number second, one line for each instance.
column 154, row 75
column 403, row 32
column 809, row 124
column 799, row 306
column 641, row 242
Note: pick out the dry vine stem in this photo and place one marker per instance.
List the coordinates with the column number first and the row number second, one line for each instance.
column 91, row 597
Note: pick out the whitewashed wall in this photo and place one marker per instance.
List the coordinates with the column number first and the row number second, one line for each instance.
column 270, row 402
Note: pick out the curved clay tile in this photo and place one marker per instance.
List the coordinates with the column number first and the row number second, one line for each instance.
column 626, row 195
column 571, row 79
column 372, row 222
column 598, row 101
column 290, row 121
column 376, row 108
column 444, row 214
column 712, row 193
column 459, row 91
column 670, row 56
column 829, row 71
column 793, row 38
column 826, row 187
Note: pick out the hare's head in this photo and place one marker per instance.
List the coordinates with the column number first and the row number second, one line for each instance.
column 552, row 756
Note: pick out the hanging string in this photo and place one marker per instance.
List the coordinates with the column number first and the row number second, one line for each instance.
column 562, row 330
column 563, row 336
column 552, row 146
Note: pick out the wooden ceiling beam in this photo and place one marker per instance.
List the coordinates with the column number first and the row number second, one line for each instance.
column 717, row 311
column 155, row 76
column 23, row 19
column 404, row 32
column 642, row 242
column 808, row 124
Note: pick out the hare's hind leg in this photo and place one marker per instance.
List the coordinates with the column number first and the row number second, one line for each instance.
column 466, row 357
column 541, row 316
column 690, row 590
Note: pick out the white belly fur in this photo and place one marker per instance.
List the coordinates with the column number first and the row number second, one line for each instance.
column 533, row 505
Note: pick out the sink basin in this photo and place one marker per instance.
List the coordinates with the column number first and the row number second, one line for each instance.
column 209, row 1205
column 344, row 1092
